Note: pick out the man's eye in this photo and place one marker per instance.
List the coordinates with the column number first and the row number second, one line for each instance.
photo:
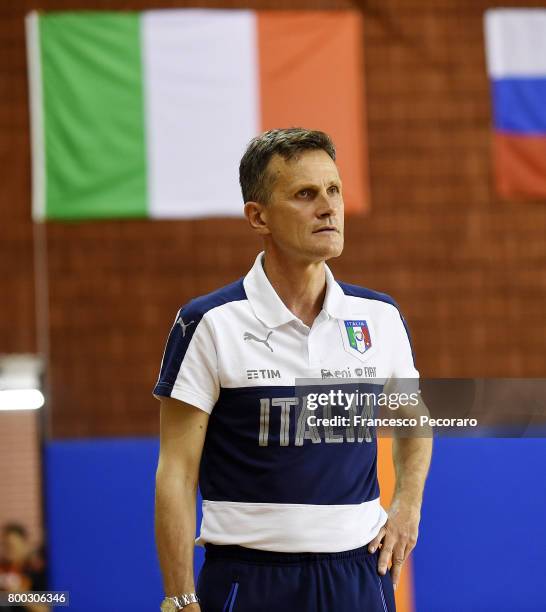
column 304, row 193
column 334, row 189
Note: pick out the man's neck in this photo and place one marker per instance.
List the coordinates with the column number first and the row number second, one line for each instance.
column 300, row 285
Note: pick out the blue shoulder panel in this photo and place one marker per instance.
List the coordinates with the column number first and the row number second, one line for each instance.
column 187, row 320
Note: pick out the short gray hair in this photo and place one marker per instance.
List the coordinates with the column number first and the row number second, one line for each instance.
column 256, row 185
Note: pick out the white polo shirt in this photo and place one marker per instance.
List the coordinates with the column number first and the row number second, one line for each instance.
column 268, row 480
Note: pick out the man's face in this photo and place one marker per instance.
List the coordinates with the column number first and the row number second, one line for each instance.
column 304, row 215
column 14, row 547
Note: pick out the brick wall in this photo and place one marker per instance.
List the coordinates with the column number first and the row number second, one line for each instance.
column 468, row 270
column 20, row 482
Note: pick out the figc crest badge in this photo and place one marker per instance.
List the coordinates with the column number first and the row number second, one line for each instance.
column 359, row 335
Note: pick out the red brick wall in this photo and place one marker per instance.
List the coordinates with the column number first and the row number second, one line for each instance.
column 468, row 270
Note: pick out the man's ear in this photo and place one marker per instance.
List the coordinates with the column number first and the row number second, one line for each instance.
column 256, row 215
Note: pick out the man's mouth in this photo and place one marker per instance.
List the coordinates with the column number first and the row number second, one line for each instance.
column 326, row 229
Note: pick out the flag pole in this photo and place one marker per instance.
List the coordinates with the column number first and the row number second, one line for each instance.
column 41, row 308
column 39, row 226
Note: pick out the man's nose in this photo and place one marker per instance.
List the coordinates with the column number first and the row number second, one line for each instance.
column 326, row 205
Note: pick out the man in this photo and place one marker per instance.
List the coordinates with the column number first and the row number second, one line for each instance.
column 291, row 516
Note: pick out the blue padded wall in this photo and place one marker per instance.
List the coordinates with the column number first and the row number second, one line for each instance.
column 100, row 513
column 483, row 531
column 481, row 545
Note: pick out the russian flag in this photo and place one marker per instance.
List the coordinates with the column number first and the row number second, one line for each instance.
column 516, row 62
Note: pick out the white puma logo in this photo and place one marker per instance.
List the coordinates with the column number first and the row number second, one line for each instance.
column 184, row 326
column 249, row 336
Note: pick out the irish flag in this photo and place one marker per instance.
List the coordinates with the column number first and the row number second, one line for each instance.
column 148, row 114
